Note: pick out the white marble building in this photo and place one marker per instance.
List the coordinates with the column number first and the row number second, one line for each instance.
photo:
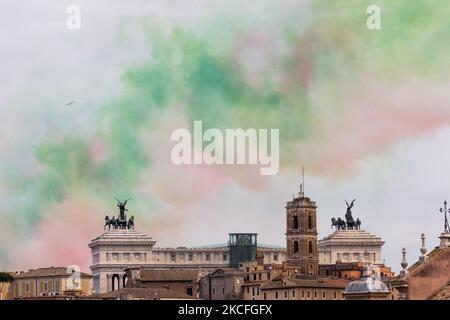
column 118, row 249
column 350, row 246
column 113, row 252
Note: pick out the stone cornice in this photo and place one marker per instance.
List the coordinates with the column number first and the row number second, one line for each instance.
column 121, row 244
column 121, row 267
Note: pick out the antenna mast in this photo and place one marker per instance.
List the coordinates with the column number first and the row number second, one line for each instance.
column 302, row 185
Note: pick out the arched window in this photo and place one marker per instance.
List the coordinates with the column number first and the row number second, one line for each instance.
column 295, row 246
column 310, row 249
column 124, row 281
column 310, row 222
column 295, row 222
column 115, row 282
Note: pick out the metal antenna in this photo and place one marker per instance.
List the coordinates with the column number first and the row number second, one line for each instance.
column 303, row 178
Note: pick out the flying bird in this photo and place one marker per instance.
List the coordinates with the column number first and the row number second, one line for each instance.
column 70, row 103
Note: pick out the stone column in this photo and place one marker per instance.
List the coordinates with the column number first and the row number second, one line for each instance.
column 103, row 283
column 108, row 283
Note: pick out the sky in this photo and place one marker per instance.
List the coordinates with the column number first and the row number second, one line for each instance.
column 366, row 112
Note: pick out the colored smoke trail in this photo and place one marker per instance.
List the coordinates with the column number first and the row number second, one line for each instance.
column 338, row 92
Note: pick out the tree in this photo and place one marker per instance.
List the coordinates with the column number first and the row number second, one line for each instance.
column 4, row 279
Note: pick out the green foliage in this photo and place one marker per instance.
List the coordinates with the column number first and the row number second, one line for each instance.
column 6, row 277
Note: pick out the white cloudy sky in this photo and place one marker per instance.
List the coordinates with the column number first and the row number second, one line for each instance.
column 44, row 65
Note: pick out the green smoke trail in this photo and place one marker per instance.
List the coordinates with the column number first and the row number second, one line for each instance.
column 199, row 71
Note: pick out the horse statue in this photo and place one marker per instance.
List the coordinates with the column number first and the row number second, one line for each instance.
column 130, row 224
column 341, row 224
column 121, row 222
column 338, row 223
column 358, row 224
column 110, row 222
column 334, row 223
column 348, row 223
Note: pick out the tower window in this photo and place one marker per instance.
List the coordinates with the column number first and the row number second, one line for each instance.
column 310, row 249
column 310, row 222
column 295, row 226
column 295, row 247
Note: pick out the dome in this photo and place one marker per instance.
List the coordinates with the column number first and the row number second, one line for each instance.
column 367, row 285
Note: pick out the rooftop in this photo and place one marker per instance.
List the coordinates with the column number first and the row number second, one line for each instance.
column 443, row 293
column 168, row 275
column 144, row 294
column 47, row 272
column 418, row 265
column 278, row 283
column 351, row 236
column 122, row 236
column 367, row 285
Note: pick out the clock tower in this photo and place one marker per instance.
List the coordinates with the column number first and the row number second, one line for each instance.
column 301, row 235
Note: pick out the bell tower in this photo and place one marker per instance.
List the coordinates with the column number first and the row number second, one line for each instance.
column 301, row 235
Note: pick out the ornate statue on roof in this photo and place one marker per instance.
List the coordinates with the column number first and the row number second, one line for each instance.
column 121, row 222
column 349, row 223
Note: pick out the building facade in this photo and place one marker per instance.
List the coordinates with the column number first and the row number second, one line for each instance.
column 286, row 288
column 222, row 284
column 350, row 246
column 113, row 252
column 50, row 282
column 119, row 249
column 427, row 278
column 181, row 281
column 352, row 270
column 6, row 292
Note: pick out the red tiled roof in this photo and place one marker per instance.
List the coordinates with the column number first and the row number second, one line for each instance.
column 306, row 283
column 168, row 275
column 47, row 272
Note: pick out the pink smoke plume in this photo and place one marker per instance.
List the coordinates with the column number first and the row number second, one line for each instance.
column 376, row 116
column 62, row 237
